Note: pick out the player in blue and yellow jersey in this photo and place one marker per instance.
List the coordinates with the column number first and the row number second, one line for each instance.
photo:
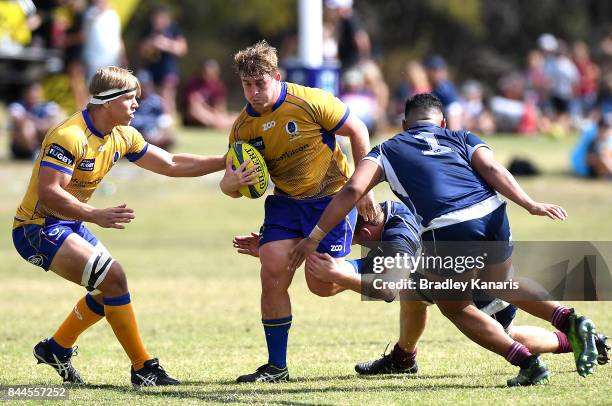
column 48, row 229
column 294, row 127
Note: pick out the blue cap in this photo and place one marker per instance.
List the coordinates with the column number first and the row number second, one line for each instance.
column 434, row 62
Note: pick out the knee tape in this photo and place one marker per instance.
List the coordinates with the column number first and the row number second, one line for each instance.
column 96, row 269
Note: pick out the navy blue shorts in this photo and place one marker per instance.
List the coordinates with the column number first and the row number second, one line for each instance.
column 287, row 218
column 488, row 236
column 505, row 316
column 38, row 244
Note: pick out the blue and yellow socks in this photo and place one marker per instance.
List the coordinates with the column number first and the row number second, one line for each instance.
column 277, row 335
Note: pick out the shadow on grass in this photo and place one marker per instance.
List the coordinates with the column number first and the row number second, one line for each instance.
column 355, row 377
column 310, row 380
column 249, row 393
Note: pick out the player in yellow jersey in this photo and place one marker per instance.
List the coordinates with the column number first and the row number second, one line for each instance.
column 294, row 127
column 48, row 230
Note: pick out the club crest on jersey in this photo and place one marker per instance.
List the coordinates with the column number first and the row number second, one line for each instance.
column 292, row 129
column 115, row 156
column 36, row 260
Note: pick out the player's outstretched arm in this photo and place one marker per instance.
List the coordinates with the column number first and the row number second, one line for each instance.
column 51, row 192
column 502, row 181
column 247, row 244
column 330, row 270
column 366, row 176
column 234, row 179
column 179, row 165
column 357, row 132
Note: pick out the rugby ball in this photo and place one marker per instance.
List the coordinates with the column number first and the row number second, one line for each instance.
column 242, row 151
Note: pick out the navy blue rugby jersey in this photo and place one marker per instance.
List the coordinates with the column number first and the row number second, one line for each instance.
column 400, row 223
column 428, row 168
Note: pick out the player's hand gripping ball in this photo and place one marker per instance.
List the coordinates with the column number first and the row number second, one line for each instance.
column 242, row 151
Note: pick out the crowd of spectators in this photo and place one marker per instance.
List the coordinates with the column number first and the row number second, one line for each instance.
column 560, row 89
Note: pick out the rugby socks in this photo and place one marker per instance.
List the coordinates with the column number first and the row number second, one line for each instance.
column 402, row 358
column 277, row 335
column 120, row 316
column 85, row 314
column 560, row 318
column 518, row 355
column 564, row 344
column 355, row 264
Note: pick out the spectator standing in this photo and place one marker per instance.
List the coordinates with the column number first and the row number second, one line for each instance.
column 588, row 77
column 71, row 39
column 353, row 40
column 445, row 90
column 564, row 79
column 103, row 44
column 161, row 46
column 537, row 81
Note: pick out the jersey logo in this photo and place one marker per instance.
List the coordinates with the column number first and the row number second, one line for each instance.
column 36, row 260
column 268, row 125
column 292, row 129
column 61, row 154
column 87, row 165
column 115, row 156
column 258, row 143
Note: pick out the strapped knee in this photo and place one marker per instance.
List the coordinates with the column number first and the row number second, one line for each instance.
column 95, row 271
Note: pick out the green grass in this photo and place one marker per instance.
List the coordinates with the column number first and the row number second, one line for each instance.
column 198, row 302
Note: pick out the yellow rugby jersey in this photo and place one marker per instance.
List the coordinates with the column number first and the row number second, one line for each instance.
column 297, row 140
column 75, row 147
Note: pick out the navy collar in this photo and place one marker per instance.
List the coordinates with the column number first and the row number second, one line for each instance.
column 90, row 125
column 422, row 124
column 281, row 98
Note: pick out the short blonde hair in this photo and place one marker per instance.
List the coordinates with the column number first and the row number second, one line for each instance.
column 113, row 77
column 256, row 60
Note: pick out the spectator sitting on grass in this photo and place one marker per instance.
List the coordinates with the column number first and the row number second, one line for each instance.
column 30, row 119
column 205, row 101
column 599, row 156
column 476, row 116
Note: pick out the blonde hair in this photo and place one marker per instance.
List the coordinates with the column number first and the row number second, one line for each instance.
column 257, row 60
column 113, row 77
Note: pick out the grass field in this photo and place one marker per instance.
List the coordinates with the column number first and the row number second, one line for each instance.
column 198, row 302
